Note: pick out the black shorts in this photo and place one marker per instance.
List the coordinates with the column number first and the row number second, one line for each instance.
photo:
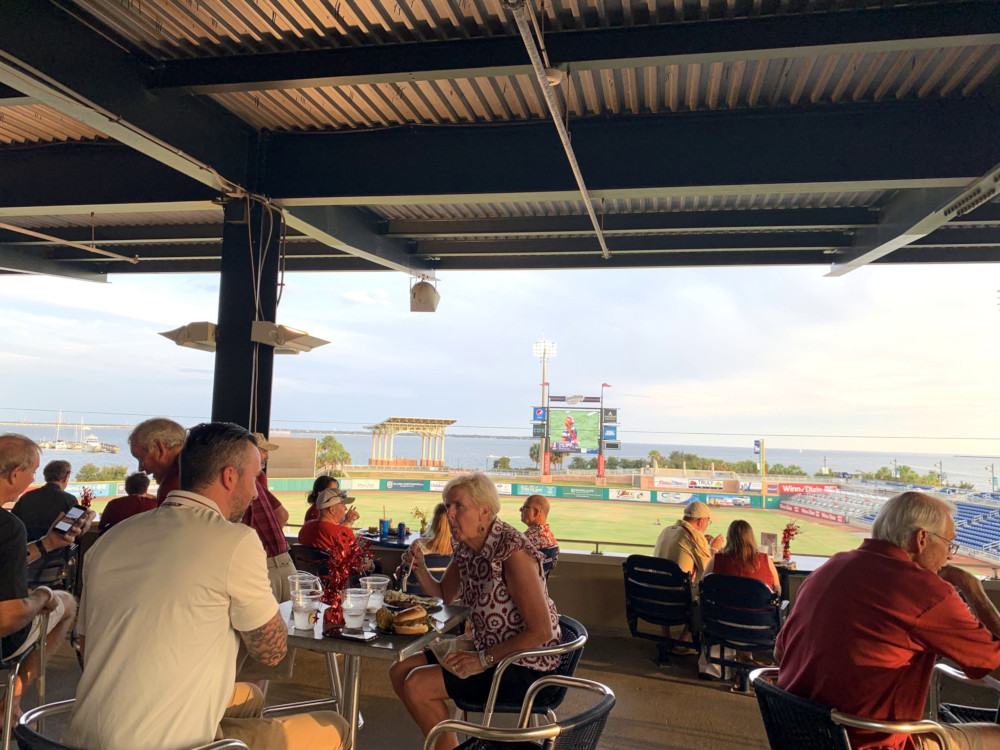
column 476, row 688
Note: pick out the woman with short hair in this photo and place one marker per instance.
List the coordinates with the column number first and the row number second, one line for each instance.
column 497, row 573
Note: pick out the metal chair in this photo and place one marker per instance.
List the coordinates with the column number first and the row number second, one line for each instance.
column 793, row 723
column 309, row 559
column 657, row 591
column 12, row 667
column 551, row 559
column 29, row 739
column 55, row 569
column 581, row 731
column 738, row 613
column 574, row 638
column 953, row 713
column 436, row 566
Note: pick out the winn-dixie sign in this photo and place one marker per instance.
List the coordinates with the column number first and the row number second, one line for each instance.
column 806, row 489
column 814, row 512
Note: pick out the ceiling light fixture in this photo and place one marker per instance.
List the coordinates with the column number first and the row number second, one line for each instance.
column 424, row 297
column 199, row 336
column 285, row 340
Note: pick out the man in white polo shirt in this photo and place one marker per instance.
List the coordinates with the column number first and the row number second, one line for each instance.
column 167, row 596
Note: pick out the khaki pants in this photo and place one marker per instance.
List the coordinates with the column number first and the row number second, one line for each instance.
column 977, row 736
column 307, row 731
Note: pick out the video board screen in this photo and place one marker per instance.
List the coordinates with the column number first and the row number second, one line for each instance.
column 574, row 430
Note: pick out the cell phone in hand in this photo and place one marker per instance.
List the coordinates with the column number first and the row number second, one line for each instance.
column 67, row 521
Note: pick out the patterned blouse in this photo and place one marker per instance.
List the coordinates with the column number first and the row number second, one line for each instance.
column 492, row 612
column 541, row 536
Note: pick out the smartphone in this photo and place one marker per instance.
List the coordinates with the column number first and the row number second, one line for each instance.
column 64, row 525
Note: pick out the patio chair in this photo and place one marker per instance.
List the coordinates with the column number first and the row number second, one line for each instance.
column 309, row 559
column 574, row 638
column 657, row 591
column 12, row 666
column 436, row 566
column 738, row 613
column 793, row 723
column 551, row 559
column 55, row 569
column 30, row 739
column 581, row 731
column 953, row 713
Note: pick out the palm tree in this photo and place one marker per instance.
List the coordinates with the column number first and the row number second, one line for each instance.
column 535, row 453
column 654, row 458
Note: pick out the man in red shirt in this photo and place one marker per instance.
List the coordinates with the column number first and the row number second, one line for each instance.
column 135, row 501
column 333, row 527
column 156, row 444
column 868, row 625
column 267, row 516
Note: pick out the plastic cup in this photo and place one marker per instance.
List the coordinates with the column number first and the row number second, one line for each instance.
column 297, row 581
column 355, row 605
column 376, row 584
column 305, row 607
column 383, row 527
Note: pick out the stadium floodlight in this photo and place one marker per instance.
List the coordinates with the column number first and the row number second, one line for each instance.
column 199, row 336
column 285, row 340
column 543, row 349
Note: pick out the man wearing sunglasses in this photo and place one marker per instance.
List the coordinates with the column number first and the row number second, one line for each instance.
column 869, row 624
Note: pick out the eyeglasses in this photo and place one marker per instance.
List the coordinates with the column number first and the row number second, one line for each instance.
column 526, row 507
column 952, row 546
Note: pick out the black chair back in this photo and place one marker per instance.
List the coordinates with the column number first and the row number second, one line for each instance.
column 737, row 613
column 658, row 592
column 583, row 731
column 436, row 565
column 551, row 555
column 793, row 723
column 309, row 559
column 55, row 569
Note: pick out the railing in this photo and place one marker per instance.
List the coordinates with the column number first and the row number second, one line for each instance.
column 597, row 544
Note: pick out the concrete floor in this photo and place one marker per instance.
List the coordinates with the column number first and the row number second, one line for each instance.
column 666, row 708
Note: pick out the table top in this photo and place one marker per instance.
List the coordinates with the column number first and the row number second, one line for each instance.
column 390, row 541
column 391, row 647
column 804, row 564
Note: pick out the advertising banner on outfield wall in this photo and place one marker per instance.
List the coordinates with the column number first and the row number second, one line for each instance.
column 677, row 498
column 101, row 489
column 534, row 489
column 406, row 485
column 583, row 493
column 504, row 489
column 702, row 484
column 372, row 485
column 738, row 501
column 635, row 496
column 814, row 512
column 437, row 485
column 802, row 489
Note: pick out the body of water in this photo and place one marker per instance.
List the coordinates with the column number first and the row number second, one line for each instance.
column 480, row 452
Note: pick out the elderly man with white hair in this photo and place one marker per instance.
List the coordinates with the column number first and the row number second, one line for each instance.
column 156, row 444
column 868, row 625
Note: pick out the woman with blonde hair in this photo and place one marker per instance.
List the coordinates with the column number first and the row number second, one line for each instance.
column 739, row 557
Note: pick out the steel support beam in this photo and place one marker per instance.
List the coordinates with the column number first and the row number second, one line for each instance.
column 16, row 259
column 807, row 35
column 848, row 148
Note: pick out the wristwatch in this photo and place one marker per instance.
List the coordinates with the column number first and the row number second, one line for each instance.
column 487, row 659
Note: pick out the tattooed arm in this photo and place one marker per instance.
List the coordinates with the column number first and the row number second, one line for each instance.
column 268, row 643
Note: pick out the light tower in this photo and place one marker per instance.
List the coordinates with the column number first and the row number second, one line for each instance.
column 543, row 350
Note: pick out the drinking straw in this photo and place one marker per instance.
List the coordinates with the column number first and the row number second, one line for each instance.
column 383, row 512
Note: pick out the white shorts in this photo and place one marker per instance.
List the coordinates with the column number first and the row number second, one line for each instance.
column 55, row 617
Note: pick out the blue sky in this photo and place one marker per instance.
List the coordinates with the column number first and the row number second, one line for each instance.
column 902, row 352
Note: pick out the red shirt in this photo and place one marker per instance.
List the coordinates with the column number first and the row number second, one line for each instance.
column 312, row 514
column 171, row 482
column 260, row 518
column 123, row 507
column 727, row 566
column 865, row 631
column 325, row 535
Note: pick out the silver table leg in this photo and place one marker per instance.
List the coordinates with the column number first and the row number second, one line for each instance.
column 352, row 694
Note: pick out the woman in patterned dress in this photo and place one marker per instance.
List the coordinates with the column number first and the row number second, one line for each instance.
column 497, row 573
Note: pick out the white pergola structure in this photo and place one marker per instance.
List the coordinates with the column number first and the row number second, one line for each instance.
column 431, row 433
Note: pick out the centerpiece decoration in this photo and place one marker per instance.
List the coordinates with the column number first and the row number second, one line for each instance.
column 420, row 515
column 344, row 561
column 790, row 532
column 86, row 497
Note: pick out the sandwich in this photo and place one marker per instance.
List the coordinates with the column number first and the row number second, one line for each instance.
column 412, row 621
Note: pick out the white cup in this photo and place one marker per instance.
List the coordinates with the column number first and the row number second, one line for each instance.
column 355, row 605
column 305, row 607
column 376, row 584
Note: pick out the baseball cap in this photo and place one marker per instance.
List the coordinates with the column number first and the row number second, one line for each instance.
column 330, row 497
column 263, row 444
column 697, row 509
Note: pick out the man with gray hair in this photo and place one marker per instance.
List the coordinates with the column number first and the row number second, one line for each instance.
column 38, row 508
column 686, row 542
column 156, row 444
column 868, row 625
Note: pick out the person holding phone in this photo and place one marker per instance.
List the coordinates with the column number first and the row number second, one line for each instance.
column 20, row 624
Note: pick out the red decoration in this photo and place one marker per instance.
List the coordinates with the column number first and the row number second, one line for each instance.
column 86, row 496
column 790, row 532
column 344, row 560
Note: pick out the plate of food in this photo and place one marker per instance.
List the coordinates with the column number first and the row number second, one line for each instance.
column 411, row 621
column 399, row 600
